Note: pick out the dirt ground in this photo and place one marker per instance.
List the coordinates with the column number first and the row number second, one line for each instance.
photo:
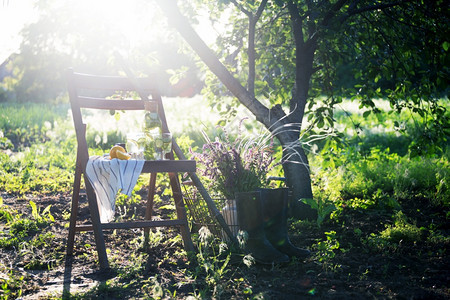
column 413, row 271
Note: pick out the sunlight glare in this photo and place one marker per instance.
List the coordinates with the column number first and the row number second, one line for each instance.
column 13, row 16
column 134, row 19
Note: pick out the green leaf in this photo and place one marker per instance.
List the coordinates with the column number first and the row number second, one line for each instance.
column 34, row 211
column 168, row 207
column 311, row 202
column 321, row 123
column 445, row 45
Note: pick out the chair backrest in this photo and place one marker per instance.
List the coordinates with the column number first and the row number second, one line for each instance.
column 94, row 92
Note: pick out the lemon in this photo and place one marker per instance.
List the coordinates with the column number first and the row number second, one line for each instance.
column 113, row 153
column 123, row 155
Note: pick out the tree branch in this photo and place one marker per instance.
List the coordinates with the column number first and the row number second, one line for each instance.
column 260, row 9
column 252, row 20
column 297, row 25
column 297, row 28
column 352, row 12
column 311, row 25
column 182, row 25
column 332, row 12
column 241, row 8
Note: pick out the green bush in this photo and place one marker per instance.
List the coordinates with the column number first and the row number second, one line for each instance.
column 400, row 233
column 379, row 178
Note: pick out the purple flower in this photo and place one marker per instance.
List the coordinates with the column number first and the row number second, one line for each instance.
column 238, row 166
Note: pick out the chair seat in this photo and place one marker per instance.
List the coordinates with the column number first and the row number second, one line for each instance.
column 161, row 166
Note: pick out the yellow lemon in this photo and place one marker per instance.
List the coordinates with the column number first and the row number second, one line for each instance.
column 123, row 155
column 114, row 150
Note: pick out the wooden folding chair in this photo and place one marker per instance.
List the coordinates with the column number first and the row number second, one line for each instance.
column 78, row 85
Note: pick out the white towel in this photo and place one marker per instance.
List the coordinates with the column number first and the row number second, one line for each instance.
column 107, row 176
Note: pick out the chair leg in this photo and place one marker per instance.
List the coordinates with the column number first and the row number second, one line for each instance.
column 74, row 211
column 97, row 226
column 150, row 199
column 181, row 212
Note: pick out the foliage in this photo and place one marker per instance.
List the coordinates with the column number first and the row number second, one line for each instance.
column 323, row 208
column 400, row 233
column 389, row 205
column 84, row 36
column 380, row 177
column 11, row 284
column 25, row 124
column 35, row 173
column 358, row 54
column 398, row 131
column 212, row 266
column 28, row 236
column 43, row 217
column 326, row 250
column 235, row 166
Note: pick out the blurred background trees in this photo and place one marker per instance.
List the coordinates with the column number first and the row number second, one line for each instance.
column 84, row 35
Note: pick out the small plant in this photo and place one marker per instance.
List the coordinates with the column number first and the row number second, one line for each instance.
column 154, row 239
column 5, row 143
column 10, row 284
column 212, row 266
column 43, row 217
column 19, row 230
column 241, row 165
column 324, row 208
column 401, row 232
column 326, row 250
column 5, row 213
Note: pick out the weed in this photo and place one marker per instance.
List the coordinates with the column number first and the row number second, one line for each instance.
column 11, row 284
column 437, row 239
column 5, row 213
column 211, row 267
column 42, row 218
column 154, row 238
column 401, row 232
column 323, row 207
column 325, row 251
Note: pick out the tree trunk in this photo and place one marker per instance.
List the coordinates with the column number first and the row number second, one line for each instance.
column 297, row 173
column 295, row 163
column 297, row 168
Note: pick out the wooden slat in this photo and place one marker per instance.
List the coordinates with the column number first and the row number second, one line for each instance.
column 134, row 224
column 112, row 83
column 175, row 166
column 101, row 103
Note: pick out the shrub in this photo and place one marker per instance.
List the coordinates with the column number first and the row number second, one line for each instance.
column 380, row 178
column 401, row 232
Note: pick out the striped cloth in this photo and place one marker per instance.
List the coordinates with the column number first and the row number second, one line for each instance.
column 107, row 176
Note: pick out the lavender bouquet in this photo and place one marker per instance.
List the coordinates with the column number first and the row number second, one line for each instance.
column 241, row 165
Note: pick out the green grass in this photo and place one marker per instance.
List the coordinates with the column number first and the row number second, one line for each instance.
column 371, row 172
column 379, row 178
